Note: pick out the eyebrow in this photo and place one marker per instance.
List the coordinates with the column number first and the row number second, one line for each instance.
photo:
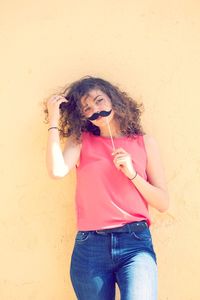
column 93, row 100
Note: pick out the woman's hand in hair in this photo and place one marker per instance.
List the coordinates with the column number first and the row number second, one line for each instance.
column 123, row 162
column 53, row 107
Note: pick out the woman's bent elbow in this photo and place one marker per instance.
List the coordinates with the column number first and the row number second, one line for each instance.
column 58, row 174
column 163, row 209
column 52, row 176
column 165, row 205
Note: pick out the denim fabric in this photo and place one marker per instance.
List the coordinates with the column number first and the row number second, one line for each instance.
column 100, row 259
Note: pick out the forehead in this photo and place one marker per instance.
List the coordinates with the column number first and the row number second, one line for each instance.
column 91, row 95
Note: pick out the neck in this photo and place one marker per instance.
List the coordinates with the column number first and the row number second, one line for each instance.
column 115, row 131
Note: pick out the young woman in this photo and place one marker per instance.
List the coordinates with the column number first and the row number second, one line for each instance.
column 119, row 174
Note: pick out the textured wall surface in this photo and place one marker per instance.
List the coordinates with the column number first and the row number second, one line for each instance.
column 150, row 49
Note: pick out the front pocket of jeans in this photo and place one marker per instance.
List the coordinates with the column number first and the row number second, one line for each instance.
column 143, row 235
column 82, row 236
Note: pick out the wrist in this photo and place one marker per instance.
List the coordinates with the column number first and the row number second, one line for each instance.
column 53, row 123
column 134, row 176
column 53, row 128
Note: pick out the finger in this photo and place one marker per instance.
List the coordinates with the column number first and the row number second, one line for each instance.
column 119, row 162
column 119, row 165
column 119, row 150
column 64, row 98
column 121, row 158
column 61, row 100
column 57, row 102
column 121, row 155
column 58, row 97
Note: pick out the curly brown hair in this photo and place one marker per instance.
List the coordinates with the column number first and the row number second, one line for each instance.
column 73, row 123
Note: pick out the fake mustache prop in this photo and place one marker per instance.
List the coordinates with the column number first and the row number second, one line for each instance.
column 103, row 113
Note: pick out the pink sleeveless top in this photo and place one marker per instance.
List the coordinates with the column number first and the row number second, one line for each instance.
column 105, row 197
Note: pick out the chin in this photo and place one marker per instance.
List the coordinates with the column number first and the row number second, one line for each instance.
column 102, row 121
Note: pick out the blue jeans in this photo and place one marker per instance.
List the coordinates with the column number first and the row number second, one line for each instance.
column 101, row 259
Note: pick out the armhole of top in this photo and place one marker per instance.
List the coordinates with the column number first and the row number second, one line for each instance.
column 78, row 163
column 144, row 146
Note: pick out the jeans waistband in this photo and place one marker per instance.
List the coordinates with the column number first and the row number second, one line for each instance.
column 129, row 227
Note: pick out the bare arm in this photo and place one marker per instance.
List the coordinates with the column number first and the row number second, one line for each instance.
column 58, row 162
column 55, row 163
column 155, row 190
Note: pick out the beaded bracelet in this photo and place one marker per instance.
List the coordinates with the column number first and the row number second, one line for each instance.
column 134, row 176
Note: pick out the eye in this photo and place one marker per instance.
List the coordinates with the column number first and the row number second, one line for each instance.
column 99, row 100
column 86, row 109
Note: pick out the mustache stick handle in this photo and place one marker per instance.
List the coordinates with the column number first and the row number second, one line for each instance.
column 110, row 134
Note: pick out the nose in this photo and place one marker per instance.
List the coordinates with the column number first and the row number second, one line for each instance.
column 96, row 108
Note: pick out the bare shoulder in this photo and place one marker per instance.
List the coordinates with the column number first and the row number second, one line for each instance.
column 151, row 145
column 71, row 152
column 150, row 141
column 155, row 170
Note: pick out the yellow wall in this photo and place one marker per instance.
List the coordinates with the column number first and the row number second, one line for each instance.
column 150, row 49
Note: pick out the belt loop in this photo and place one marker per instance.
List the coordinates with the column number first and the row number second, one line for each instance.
column 100, row 232
column 129, row 228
